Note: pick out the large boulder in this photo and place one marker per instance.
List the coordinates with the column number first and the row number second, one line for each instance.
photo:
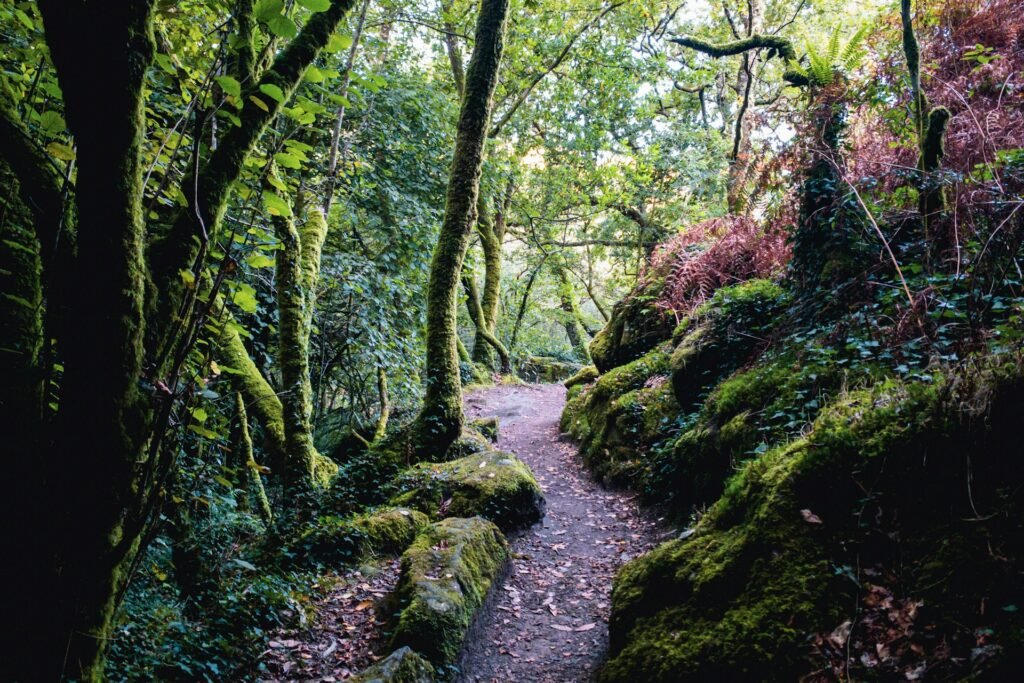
column 401, row 666
column 545, row 369
column 445, row 578
column 492, row 484
column 722, row 335
column 638, row 324
column 821, row 547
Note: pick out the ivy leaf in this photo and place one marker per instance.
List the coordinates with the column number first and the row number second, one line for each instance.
column 316, row 5
column 52, row 122
column 282, row 27
column 259, row 103
column 313, row 75
column 272, row 91
column 229, row 85
column 61, row 151
column 260, row 261
column 287, row 160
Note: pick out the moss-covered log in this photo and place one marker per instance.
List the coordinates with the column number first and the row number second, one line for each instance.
column 440, row 421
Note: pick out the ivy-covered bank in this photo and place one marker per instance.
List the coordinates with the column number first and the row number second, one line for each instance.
column 845, row 506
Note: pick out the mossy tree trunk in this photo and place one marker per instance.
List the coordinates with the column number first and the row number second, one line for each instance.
column 477, row 315
column 248, row 481
column 492, row 235
column 930, row 127
column 440, row 420
column 298, row 267
column 97, row 475
column 572, row 317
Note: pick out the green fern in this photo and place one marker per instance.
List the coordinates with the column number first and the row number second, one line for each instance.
column 823, row 65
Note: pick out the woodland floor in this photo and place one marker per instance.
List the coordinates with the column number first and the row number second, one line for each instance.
column 548, row 621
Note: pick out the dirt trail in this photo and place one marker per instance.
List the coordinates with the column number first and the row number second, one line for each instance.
column 548, row 622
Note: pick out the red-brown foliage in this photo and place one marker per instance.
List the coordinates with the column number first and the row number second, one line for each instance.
column 713, row 254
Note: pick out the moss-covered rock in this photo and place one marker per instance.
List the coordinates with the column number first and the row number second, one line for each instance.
column 492, row 484
column 615, row 417
column 877, row 483
column 489, row 427
column 401, row 666
column 722, row 335
column 445, row 578
column 638, row 324
column 547, row 369
column 469, row 443
column 586, row 375
column 334, row 540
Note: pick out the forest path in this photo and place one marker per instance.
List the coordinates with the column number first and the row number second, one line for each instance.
column 548, row 622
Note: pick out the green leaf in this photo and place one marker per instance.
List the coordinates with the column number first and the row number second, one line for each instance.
column 52, row 123
column 199, row 414
column 316, row 5
column 338, row 43
column 244, row 565
column 259, row 103
column 266, row 10
column 260, row 261
column 223, row 480
column 203, row 431
column 272, row 91
column 282, row 27
column 245, row 297
column 287, row 160
column 313, row 75
column 60, row 151
column 229, row 85
column 275, row 205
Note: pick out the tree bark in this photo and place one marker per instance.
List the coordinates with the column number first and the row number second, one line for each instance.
column 441, row 418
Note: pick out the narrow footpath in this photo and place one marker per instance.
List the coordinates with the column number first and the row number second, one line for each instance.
column 548, row 621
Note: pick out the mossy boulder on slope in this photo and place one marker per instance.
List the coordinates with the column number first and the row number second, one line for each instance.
column 401, row 666
column 492, row 484
column 722, row 335
column 606, row 416
column 547, row 369
column 638, row 324
column 878, row 482
column 446, row 576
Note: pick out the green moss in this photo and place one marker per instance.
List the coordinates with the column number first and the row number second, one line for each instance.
column 487, row 426
column 637, row 325
column 611, row 419
column 445, row 578
column 546, row 369
column 333, row 540
column 722, row 335
column 401, row 666
column 586, row 375
column 739, row 598
column 491, row 484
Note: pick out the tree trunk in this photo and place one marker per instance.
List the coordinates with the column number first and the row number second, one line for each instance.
column 101, row 56
column 440, row 420
column 571, row 315
column 249, row 482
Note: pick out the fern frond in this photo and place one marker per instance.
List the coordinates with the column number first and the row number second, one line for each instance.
column 854, row 52
column 832, row 55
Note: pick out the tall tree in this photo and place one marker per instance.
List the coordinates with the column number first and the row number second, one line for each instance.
column 441, row 418
column 122, row 326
